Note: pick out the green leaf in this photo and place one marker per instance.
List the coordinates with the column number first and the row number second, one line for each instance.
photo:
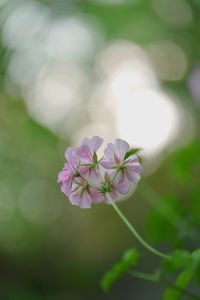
column 163, row 217
column 184, row 260
column 129, row 259
column 184, row 163
column 195, row 259
column 131, row 152
column 181, row 283
column 195, row 265
column 180, row 259
column 195, row 207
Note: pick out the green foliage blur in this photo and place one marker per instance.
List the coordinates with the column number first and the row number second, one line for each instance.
column 49, row 249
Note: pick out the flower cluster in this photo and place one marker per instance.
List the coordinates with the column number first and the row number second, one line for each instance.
column 86, row 179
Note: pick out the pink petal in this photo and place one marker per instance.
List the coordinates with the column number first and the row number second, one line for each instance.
column 69, row 153
column 114, row 195
column 86, row 142
column 63, row 175
column 75, row 199
column 134, row 168
column 94, row 176
column 84, row 153
column 122, row 146
column 119, row 177
column 109, row 151
column 92, row 144
column 96, row 143
column 102, row 171
column 96, row 197
column 67, row 187
column 132, row 176
column 84, row 169
column 108, row 164
column 133, row 158
column 123, row 187
column 85, row 201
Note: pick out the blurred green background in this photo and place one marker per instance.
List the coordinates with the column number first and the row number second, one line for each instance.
column 114, row 68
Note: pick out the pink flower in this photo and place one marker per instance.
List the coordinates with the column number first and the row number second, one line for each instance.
column 112, row 187
column 116, row 157
column 88, row 157
column 69, row 171
column 82, row 194
column 113, row 193
column 86, row 179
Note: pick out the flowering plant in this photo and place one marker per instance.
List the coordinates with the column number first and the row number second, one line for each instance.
column 88, row 179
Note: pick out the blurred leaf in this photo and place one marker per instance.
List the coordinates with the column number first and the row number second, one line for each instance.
column 185, row 162
column 131, row 152
column 164, row 219
column 195, row 197
column 129, row 259
column 180, row 259
column 182, row 282
column 195, row 258
column 197, row 276
column 196, row 265
column 156, row 225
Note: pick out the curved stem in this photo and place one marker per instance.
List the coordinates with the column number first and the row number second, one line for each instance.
column 134, row 232
column 142, row 275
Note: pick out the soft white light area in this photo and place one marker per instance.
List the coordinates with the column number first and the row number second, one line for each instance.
column 132, row 76
column 25, row 65
column 71, row 39
column 57, row 91
column 102, row 129
column 120, row 54
column 100, row 105
column 148, row 119
column 46, row 62
column 175, row 12
column 169, row 60
column 130, row 101
column 24, row 24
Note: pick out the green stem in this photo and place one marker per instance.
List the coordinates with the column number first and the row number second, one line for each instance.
column 175, row 287
column 133, row 231
column 142, row 275
column 114, row 177
column 154, row 278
